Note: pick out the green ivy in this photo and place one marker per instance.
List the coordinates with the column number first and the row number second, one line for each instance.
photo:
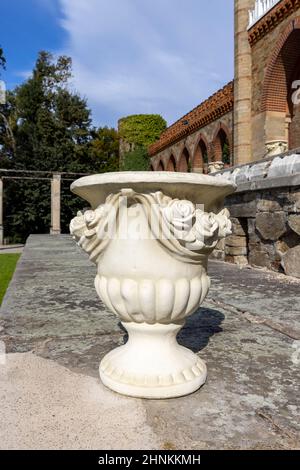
column 137, row 160
column 141, row 129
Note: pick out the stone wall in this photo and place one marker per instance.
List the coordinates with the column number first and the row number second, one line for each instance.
column 265, row 214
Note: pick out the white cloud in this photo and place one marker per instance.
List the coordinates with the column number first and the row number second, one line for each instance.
column 25, row 74
column 140, row 56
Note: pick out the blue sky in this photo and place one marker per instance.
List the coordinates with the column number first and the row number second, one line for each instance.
column 129, row 56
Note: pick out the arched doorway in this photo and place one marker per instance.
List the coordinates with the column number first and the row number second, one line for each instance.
column 160, row 167
column 280, row 99
column 184, row 161
column 200, row 161
column 171, row 164
column 222, row 148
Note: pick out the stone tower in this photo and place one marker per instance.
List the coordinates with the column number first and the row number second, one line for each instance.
column 242, row 84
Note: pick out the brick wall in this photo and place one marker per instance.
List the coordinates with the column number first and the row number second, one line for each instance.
column 188, row 147
column 274, row 57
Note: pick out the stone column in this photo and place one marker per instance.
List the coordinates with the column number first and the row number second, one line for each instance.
column 242, row 83
column 1, row 212
column 55, row 204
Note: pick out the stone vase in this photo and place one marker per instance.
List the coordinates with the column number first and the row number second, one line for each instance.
column 150, row 235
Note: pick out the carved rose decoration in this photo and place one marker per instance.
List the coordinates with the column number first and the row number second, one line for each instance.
column 204, row 233
column 182, row 224
column 86, row 223
column 180, row 216
column 225, row 225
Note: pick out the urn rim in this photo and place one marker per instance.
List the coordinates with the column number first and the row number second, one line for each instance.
column 198, row 188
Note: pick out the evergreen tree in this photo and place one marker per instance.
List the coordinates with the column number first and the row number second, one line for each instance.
column 52, row 132
column 2, row 60
column 105, row 143
column 7, row 142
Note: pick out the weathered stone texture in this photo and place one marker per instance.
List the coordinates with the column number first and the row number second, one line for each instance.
column 291, row 262
column 294, row 222
column 265, row 229
column 268, row 205
column 237, row 228
column 235, row 251
column 236, row 241
column 271, row 225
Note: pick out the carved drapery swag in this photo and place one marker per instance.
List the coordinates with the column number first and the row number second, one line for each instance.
column 184, row 230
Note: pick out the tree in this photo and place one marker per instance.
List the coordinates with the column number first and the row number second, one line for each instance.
column 7, row 142
column 136, row 133
column 2, row 59
column 105, row 147
column 136, row 160
column 52, row 132
column 141, row 129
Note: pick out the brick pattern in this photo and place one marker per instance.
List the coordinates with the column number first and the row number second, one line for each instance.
column 274, row 59
column 274, row 17
column 209, row 111
column 200, row 147
column 280, row 69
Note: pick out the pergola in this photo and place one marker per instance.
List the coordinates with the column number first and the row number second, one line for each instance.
column 53, row 177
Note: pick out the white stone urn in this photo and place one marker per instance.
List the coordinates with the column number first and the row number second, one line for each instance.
column 150, row 235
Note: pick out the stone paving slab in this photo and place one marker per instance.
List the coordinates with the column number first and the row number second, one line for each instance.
column 264, row 293
column 56, row 331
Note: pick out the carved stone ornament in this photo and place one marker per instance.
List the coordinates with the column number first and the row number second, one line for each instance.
column 213, row 167
column 151, row 249
column 276, row 147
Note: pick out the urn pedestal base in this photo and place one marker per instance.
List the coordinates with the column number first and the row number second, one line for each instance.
column 152, row 364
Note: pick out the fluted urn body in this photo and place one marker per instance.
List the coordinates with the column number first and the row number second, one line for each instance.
column 150, row 235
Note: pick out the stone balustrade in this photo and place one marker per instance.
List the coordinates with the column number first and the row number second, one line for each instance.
column 260, row 9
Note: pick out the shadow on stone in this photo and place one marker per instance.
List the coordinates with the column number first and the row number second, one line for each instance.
column 199, row 328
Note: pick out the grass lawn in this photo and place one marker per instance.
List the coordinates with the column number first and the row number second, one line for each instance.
column 7, row 266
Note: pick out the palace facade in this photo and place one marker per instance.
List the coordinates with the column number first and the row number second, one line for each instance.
column 257, row 114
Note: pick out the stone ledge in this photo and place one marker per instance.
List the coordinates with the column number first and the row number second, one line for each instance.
column 275, row 172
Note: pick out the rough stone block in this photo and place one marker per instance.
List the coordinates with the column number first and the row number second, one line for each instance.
column 243, row 209
column 294, row 223
column 240, row 260
column 288, row 241
column 251, row 226
column 268, row 205
column 236, row 250
column 236, row 241
column 291, row 262
column 281, row 247
column 294, row 201
column 237, row 228
column 270, row 225
column 258, row 257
